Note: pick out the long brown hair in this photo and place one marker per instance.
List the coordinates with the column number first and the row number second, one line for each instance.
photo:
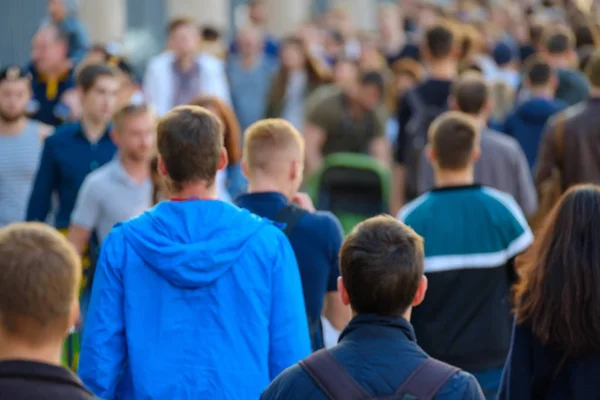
column 559, row 291
column 231, row 127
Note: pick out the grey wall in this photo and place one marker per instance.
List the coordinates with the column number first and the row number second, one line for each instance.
column 19, row 20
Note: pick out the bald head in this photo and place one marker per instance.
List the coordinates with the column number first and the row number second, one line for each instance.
column 49, row 49
column 250, row 40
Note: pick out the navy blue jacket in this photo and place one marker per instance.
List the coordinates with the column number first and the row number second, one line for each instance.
column 578, row 379
column 45, row 105
column 526, row 124
column 379, row 353
column 316, row 241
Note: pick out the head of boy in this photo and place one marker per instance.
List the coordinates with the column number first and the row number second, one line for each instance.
column 540, row 75
column 40, row 273
column 453, row 143
column 559, row 47
column 439, row 44
column 382, row 268
column 274, row 156
column 471, row 95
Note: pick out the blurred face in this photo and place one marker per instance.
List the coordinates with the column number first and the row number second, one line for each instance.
column 292, row 56
column 136, row 137
column 258, row 13
column 249, row 42
column 345, row 74
column 185, row 40
column 404, row 83
column 48, row 53
column 14, row 96
column 57, row 9
column 100, row 102
column 370, row 58
column 370, row 96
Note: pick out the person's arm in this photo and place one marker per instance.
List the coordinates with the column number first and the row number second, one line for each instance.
column 472, row 390
column 526, row 194
column 79, row 237
column 85, row 215
column 104, row 350
column 379, row 147
column 45, row 131
column 45, row 183
column 398, row 192
column 516, row 380
column 547, row 157
column 314, row 139
column 333, row 309
column 218, row 84
column 288, row 327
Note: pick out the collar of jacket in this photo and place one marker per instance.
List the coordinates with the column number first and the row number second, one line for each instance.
column 369, row 326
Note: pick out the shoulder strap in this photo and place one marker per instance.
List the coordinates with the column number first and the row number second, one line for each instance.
column 427, row 379
column 289, row 215
column 332, row 378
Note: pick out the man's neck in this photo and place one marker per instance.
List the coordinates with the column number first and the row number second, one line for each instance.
column 14, row 127
column 197, row 190
column 265, row 185
column 560, row 62
column 93, row 130
column 542, row 93
column 17, row 350
column 445, row 70
column 448, row 178
column 249, row 60
column 595, row 92
column 138, row 170
column 480, row 119
column 186, row 63
column 56, row 71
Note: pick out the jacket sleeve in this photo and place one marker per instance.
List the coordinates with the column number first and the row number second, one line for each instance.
column 516, row 379
column 289, row 340
column 103, row 351
column 218, row 84
column 526, row 193
column 45, row 183
column 547, row 157
column 472, row 390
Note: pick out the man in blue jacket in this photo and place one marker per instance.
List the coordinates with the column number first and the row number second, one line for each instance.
column 196, row 298
column 382, row 266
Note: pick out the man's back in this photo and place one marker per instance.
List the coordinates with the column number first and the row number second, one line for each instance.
column 379, row 353
column 573, row 87
column 203, row 299
column 471, row 233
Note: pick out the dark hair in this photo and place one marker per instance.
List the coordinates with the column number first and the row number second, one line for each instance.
column 583, row 36
column 382, row 264
column 128, row 110
column 592, row 69
column 539, row 72
column 440, row 41
column 559, row 41
column 453, row 137
column 471, row 93
column 558, row 292
column 89, row 75
column 536, row 33
column 39, row 280
column 210, row 34
column 178, row 23
column 373, row 78
column 190, row 139
column 337, row 37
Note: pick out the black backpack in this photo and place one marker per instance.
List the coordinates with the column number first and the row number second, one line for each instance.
column 417, row 128
column 337, row 384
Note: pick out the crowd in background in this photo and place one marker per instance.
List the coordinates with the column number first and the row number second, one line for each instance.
column 466, row 120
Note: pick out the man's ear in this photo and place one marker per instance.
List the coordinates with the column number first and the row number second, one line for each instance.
column 421, row 290
column 452, row 103
column 476, row 153
column 224, row 160
column 245, row 169
column 162, row 168
column 73, row 316
column 430, row 153
column 343, row 292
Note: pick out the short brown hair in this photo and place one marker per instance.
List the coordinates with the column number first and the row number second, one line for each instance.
column 190, row 139
column 266, row 139
column 382, row 264
column 471, row 93
column 453, row 137
column 127, row 111
column 40, row 273
column 440, row 41
column 89, row 75
column 178, row 23
column 558, row 40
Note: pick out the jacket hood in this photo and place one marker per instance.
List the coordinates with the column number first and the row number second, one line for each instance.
column 538, row 110
column 192, row 243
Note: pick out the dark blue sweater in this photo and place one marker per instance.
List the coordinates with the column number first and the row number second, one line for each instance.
column 579, row 379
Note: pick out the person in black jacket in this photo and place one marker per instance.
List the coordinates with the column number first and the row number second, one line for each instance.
column 555, row 350
column 40, row 274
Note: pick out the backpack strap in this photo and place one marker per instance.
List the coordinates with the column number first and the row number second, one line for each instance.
column 427, row 379
column 332, row 378
column 289, row 215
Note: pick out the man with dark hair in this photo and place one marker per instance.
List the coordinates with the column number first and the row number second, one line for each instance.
column 53, row 77
column 39, row 280
column 216, row 290
column 502, row 164
column 351, row 120
column 571, row 139
column 377, row 356
column 21, row 142
column 527, row 121
column 559, row 51
column 419, row 107
column 180, row 74
column 76, row 149
column 473, row 234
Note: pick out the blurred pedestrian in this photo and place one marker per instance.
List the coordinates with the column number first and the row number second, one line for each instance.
column 63, row 13
column 258, row 16
column 216, row 290
column 21, row 142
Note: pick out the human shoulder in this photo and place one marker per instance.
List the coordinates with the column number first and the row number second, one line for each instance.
column 63, row 133
column 209, row 61
column 99, row 176
column 412, row 209
column 499, row 142
column 504, row 202
column 161, row 59
column 324, row 225
column 294, row 384
column 460, row 386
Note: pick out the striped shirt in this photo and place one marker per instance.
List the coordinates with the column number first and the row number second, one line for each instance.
column 472, row 234
column 19, row 159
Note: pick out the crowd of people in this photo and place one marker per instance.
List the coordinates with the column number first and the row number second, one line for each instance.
column 335, row 214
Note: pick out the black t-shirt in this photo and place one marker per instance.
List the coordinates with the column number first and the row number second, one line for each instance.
column 432, row 92
column 410, row 50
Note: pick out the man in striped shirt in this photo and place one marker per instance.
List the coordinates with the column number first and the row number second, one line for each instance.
column 472, row 234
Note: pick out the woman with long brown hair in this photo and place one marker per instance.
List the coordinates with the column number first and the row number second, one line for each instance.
column 298, row 76
column 555, row 350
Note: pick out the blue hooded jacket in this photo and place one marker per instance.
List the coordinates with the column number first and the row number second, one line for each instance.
column 193, row 300
column 526, row 124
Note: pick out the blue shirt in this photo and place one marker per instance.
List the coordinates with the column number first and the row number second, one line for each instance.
column 316, row 241
column 45, row 106
column 68, row 157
